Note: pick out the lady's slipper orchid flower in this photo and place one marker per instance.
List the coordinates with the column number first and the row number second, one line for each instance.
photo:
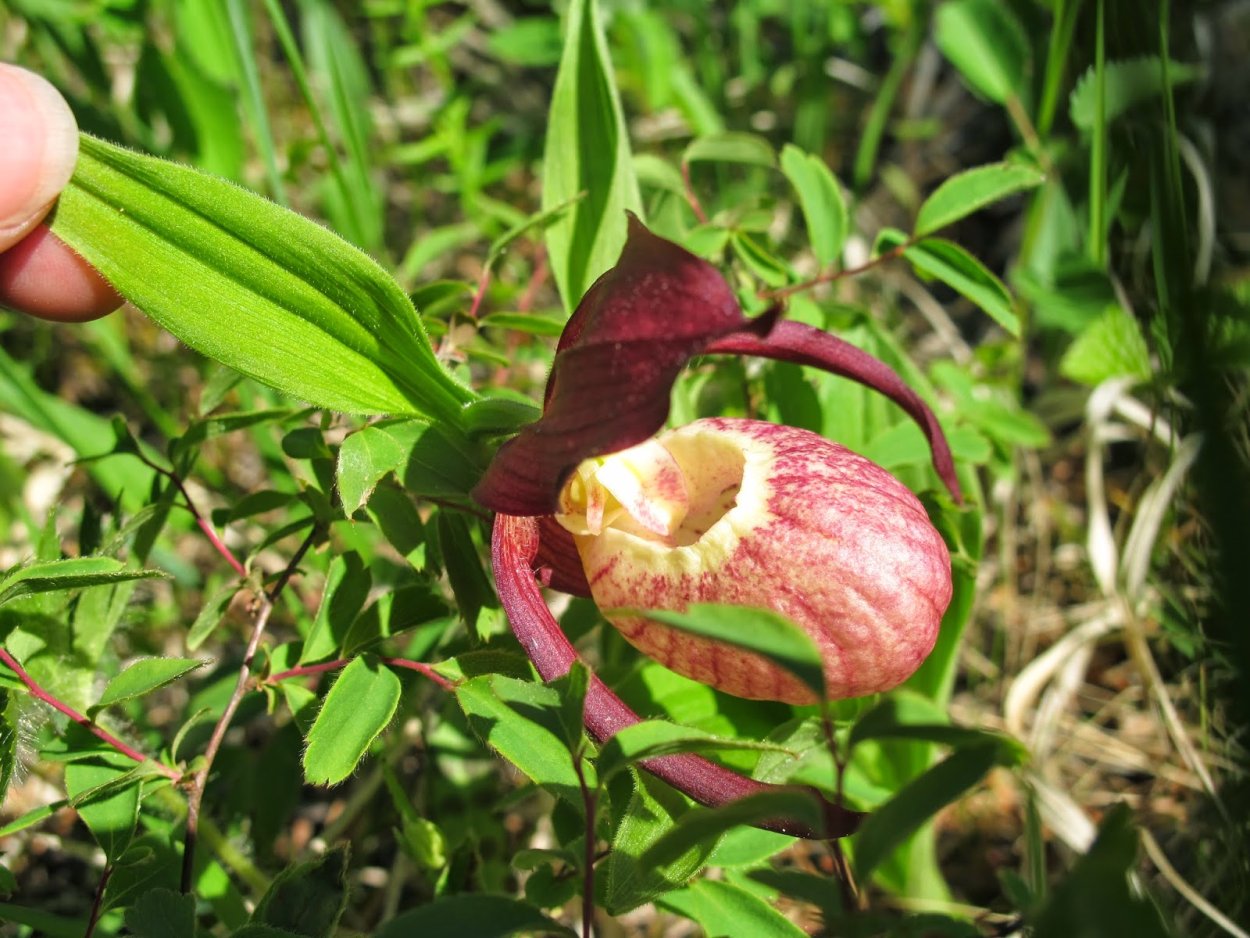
column 721, row 511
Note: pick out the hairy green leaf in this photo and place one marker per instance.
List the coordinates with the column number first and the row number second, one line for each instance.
column 143, row 677
column 973, row 189
column 358, row 707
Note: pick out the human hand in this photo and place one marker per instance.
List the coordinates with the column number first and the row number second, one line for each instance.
column 39, row 274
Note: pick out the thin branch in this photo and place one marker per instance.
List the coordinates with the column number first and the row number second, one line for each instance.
column 833, row 276
column 693, row 199
column 90, row 726
column 97, row 901
column 213, row 538
column 199, row 781
column 304, row 670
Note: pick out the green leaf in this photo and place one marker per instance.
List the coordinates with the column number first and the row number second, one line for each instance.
column 730, row 147
column 650, row 815
column 703, row 826
column 522, row 721
column 470, row 585
column 587, row 151
column 211, row 614
column 44, row 923
column 948, row 262
column 916, row 802
column 420, row 605
column 822, row 202
column 985, row 41
column 110, row 812
column 971, row 190
column 482, row 916
column 348, row 582
column 1096, row 897
column 357, row 708
column 143, row 677
column 528, row 323
column 424, row 457
column 1110, row 347
column 252, row 285
column 725, row 909
column 162, row 913
column 307, row 899
column 78, row 573
column 896, row 718
column 761, row 631
column 651, row 738
column 8, row 746
column 1129, row 82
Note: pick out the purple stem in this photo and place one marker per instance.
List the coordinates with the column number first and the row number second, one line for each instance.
column 806, row 345
column 513, row 548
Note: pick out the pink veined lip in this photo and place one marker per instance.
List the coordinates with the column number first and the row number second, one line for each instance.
column 778, row 518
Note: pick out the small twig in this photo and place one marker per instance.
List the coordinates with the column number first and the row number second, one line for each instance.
column 588, row 856
column 199, row 781
column 304, row 670
column 213, row 538
column 483, row 281
column 693, row 199
column 97, row 901
column 841, row 868
column 99, row 732
column 835, row 275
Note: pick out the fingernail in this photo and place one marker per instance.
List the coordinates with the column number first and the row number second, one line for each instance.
column 39, row 145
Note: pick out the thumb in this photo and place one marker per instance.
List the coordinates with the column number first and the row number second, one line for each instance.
column 40, row 147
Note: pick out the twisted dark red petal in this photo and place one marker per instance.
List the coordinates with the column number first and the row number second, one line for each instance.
column 615, row 366
column 514, row 546
column 805, row 345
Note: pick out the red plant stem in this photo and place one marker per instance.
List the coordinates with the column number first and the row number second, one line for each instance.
column 483, row 281
column 324, row 666
column 213, row 538
column 97, row 902
column 513, row 548
column 195, row 797
column 99, row 732
column 693, row 199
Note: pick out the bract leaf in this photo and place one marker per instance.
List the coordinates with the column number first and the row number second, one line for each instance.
column 586, row 154
column 252, row 285
column 973, row 189
column 614, row 368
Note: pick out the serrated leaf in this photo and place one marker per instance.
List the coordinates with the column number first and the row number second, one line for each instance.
column 8, row 745
column 143, row 677
column 730, row 147
column 162, row 913
column 948, row 262
column 586, row 152
column 252, row 285
column 918, row 801
column 307, row 899
column 482, row 916
column 522, row 721
column 822, row 202
column 111, row 814
column 651, row 814
column 357, row 708
column 985, row 41
column 1129, row 82
column 971, row 190
column 725, row 909
column 761, row 631
column 78, row 573
column 426, row 460
column 1110, row 347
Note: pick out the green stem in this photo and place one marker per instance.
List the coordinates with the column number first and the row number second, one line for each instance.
column 1097, row 247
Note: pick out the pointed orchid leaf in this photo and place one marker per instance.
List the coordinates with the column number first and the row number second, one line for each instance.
column 614, row 369
column 514, row 547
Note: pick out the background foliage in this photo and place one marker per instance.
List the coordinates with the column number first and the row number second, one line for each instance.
column 1047, row 202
